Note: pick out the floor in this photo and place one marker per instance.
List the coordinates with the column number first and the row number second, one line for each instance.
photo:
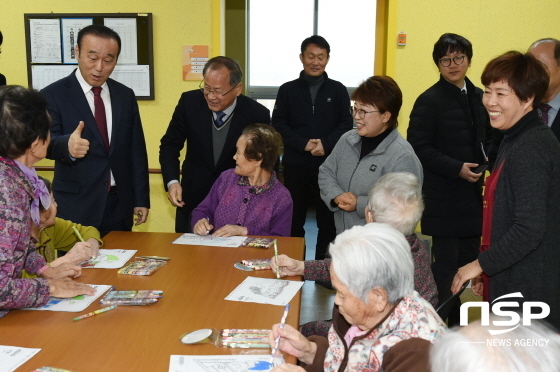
column 317, row 301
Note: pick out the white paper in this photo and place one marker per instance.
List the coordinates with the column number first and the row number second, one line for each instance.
column 265, row 291
column 109, row 259
column 209, row 240
column 45, row 41
column 210, row 363
column 11, row 357
column 74, row 304
column 126, row 28
column 70, row 29
column 135, row 77
column 41, row 76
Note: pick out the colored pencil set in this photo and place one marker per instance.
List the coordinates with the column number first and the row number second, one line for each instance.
column 244, row 338
column 139, row 297
column 144, row 267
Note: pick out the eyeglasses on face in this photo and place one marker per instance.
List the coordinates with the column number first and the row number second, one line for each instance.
column 207, row 91
column 446, row 61
column 361, row 113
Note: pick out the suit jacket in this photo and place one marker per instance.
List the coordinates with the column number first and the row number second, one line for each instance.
column 80, row 185
column 556, row 126
column 192, row 123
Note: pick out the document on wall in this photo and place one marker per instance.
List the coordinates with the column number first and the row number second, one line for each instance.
column 74, row 304
column 126, row 28
column 209, row 240
column 265, row 291
column 45, row 41
column 70, row 29
column 11, row 357
column 136, row 77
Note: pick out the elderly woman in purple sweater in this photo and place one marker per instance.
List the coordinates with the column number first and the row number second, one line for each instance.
column 248, row 200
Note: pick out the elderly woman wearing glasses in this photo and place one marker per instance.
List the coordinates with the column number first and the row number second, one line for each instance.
column 363, row 155
column 449, row 129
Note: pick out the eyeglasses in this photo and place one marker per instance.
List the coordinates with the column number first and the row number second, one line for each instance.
column 206, row 91
column 361, row 113
column 458, row 60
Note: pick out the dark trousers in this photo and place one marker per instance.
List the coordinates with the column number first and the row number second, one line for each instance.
column 303, row 186
column 183, row 220
column 450, row 254
column 113, row 217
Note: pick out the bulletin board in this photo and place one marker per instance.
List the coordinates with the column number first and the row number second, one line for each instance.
column 50, row 39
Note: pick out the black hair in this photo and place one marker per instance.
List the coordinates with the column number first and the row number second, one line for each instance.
column 317, row 40
column 450, row 43
column 99, row 31
column 235, row 73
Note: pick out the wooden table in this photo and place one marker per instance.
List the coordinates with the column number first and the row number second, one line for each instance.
column 141, row 338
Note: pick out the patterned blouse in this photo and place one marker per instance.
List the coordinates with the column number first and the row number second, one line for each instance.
column 17, row 251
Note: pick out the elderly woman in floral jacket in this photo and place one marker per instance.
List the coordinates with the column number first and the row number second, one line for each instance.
column 375, row 305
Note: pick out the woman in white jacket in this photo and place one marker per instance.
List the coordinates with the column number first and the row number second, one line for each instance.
column 365, row 154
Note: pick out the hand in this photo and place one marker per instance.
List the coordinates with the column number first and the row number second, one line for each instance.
column 285, row 367
column 469, row 271
column 63, row 270
column 477, row 286
column 319, row 150
column 175, row 194
column 78, row 146
column 288, row 266
column 80, row 252
column 347, row 201
column 94, row 247
column 141, row 214
column 230, row 230
column 467, row 174
column 203, row 227
column 67, row 288
column 293, row 343
column 310, row 145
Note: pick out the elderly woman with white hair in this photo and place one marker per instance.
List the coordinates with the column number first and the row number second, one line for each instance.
column 396, row 199
column 375, row 305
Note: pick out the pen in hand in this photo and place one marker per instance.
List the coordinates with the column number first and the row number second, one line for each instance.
column 277, row 342
column 276, row 257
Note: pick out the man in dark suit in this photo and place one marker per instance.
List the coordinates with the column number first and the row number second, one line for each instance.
column 209, row 120
column 548, row 52
column 101, row 165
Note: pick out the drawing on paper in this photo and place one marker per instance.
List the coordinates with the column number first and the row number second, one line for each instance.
column 271, row 291
column 233, row 365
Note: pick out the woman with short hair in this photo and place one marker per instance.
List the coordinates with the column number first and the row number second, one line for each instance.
column 375, row 305
column 365, row 154
column 248, row 200
column 24, row 138
column 520, row 234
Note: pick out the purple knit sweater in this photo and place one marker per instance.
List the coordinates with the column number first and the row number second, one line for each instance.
column 263, row 210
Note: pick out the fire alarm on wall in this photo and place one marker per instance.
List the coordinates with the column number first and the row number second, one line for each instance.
column 401, row 40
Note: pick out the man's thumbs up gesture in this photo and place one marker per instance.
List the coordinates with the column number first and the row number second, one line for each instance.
column 78, row 146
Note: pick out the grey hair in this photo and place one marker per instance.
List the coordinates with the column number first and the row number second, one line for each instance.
column 473, row 349
column 373, row 256
column 396, row 199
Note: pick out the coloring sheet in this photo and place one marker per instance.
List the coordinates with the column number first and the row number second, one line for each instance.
column 74, row 304
column 12, row 357
column 209, row 240
column 109, row 259
column 265, row 291
column 219, row 363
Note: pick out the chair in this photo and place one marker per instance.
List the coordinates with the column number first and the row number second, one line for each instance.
column 444, row 307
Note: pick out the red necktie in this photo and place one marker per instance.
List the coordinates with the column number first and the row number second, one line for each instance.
column 100, row 116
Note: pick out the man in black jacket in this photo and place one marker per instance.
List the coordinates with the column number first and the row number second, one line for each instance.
column 209, row 120
column 311, row 113
column 448, row 131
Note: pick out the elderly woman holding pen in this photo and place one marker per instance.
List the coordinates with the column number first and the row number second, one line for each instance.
column 24, row 138
column 375, row 305
column 248, row 200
